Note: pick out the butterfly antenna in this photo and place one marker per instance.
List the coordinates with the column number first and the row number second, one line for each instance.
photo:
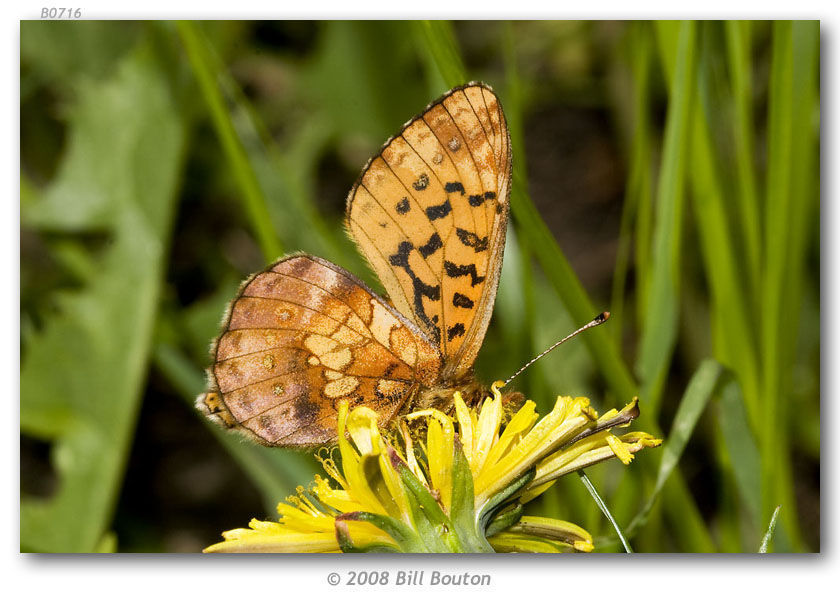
column 593, row 323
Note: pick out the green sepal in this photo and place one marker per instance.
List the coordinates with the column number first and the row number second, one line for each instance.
column 505, row 518
column 516, row 542
column 434, row 527
column 401, row 533
column 462, row 511
column 345, row 542
column 489, row 510
column 555, row 530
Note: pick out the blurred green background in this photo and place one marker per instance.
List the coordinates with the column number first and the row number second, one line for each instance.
column 668, row 172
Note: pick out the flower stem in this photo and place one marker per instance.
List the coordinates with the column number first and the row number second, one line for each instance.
column 594, row 493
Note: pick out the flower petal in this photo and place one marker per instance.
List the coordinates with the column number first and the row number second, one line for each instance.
column 353, row 467
column 566, row 420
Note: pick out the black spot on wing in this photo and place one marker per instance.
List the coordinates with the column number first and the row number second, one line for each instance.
column 432, row 292
column 468, row 238
column 433, row 245
column 453, row 270
column 456, row 330
column 403, row 206
column 454, row 186
column 438, row 211
column 462, row 301
column 400, row 259
column 478, row 199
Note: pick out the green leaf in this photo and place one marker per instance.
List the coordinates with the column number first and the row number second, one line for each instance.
column 66, row 53
column 82, row 374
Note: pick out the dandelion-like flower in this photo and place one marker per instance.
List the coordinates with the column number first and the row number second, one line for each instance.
column 461, row 489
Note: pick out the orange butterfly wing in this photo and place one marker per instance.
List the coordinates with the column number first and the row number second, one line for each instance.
column 302, row 336
column 430, row 215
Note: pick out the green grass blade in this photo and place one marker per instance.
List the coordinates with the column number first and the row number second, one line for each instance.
column 255, row 203
column 738, row 46
column 729, row 526
column 733, row 339
column 286, row 178
column 637, row 197
column 804, row 206
column 771, row 529
column 604, row 509
column 691, row 406
column 790, row 199
column 441, row 50
column 776, row 230
column 741, row 447
column 660, row 326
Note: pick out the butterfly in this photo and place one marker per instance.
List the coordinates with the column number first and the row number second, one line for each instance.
column 429, row 212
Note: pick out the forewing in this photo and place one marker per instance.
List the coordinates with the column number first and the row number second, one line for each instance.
column 303, row 336
column 430, row 214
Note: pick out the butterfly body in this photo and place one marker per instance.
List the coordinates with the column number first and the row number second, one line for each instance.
column 429, row 212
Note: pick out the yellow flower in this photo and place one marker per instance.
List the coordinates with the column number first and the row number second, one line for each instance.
column 461, row 489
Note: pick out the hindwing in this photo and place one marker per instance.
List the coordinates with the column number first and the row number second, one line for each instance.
column 299, row 338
